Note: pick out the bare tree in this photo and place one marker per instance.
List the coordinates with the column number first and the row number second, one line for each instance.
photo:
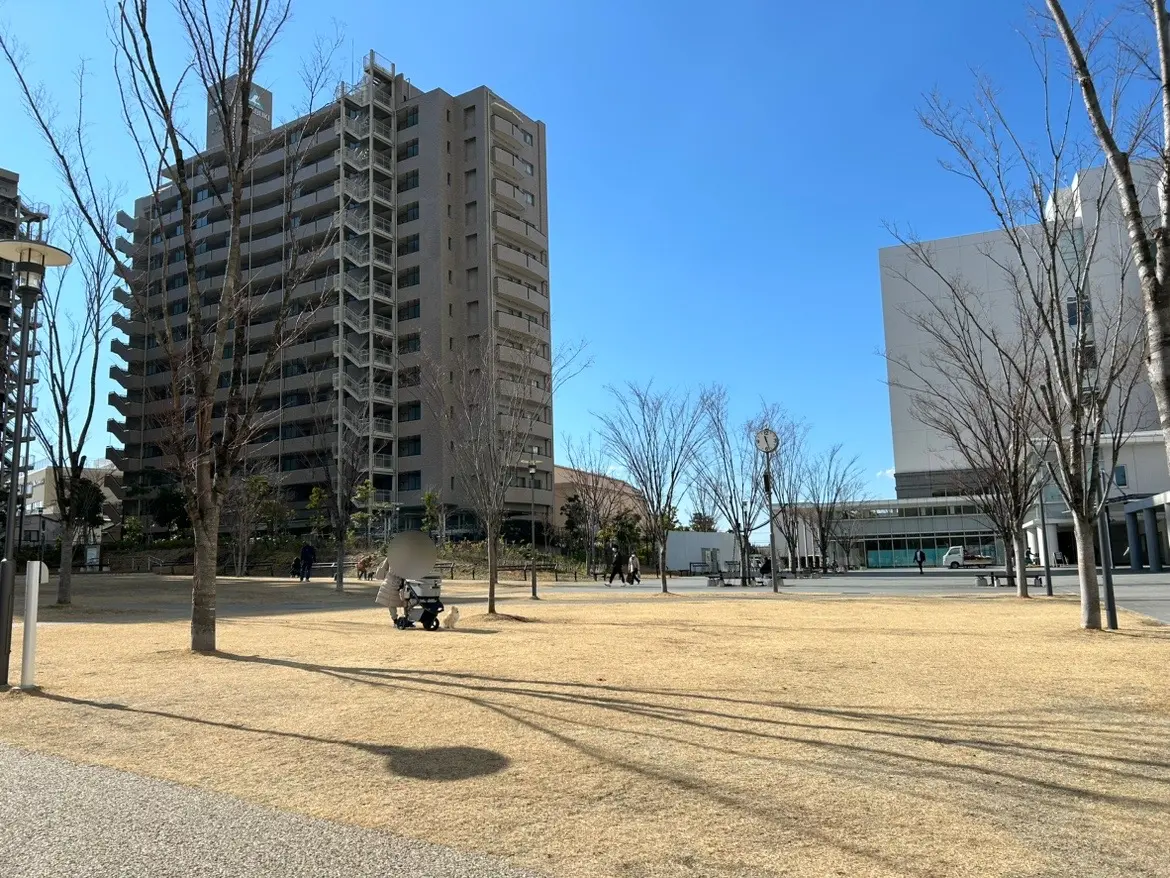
column 832, row 485
column 850, row 528
column 973, row 385
column 488, row 403
column 602, row 496
column 76, row 319
column 654, row 436
column 1059, row 258
column 789, row 470
column 218, row 367
column 1115, row 67
column 729, row 469
column 245, row 504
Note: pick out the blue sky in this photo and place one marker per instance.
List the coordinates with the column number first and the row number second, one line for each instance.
column 718, row 174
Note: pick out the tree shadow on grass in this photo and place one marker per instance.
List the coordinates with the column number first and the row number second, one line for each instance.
column 425, row 763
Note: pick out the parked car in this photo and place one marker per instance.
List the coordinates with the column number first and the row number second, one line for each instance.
column 958, row 556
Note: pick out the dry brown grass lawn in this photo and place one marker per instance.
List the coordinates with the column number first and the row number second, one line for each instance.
column 796, row 736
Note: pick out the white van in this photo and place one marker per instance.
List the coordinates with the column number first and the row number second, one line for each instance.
column 957, row 557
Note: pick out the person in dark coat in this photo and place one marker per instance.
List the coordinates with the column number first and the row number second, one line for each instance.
column 920, row 559
column 308, row 559
column 617, row 568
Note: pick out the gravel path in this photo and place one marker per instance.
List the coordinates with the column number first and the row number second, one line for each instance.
column 63, row 820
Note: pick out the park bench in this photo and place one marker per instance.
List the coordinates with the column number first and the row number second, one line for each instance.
column 447, row 567
column 228, row 568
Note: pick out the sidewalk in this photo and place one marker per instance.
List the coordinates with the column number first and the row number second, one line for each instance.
column 63, row 820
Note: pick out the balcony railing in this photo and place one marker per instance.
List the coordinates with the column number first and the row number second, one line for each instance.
column 382, row 427
column 382, row 462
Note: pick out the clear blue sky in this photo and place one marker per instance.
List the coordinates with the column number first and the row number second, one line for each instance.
column 718, row 173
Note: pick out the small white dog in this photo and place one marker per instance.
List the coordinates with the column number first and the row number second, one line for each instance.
column 452, row 618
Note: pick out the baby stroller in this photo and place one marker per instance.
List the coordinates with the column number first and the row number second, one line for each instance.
column 421, row 603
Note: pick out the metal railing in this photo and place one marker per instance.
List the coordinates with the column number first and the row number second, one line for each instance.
column 382, row 461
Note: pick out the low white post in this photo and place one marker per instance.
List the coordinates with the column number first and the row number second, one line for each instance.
column 32, row 590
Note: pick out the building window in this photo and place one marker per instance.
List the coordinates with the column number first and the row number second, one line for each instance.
column 1086, row 311
column 408, row 118
column 202, row 194
column 408, row 213
column 1120, row 478
column 408, row 150
column 529, row 198
column 469, row 181
column 527, row 136
column 448, row 178
column 410, row 446
column 409, row 310
column 468, row 117
column 410, row 344
column 410, row 411
column 409, row 278
column 409, row 244
column 408, row 181
column 410, row 481
column 528, row 169
column 469, row 149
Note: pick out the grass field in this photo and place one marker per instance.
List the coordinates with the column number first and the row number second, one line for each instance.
column 658, row 736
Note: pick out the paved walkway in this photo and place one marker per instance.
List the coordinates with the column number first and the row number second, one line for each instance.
column 63, row 820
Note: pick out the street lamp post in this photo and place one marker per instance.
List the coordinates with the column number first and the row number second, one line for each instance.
column 30, row 256
column 532, row 512
column 767, row 441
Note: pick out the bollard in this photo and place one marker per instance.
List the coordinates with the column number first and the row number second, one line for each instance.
column 32, row 590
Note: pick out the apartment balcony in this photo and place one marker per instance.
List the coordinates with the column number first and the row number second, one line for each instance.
column 384, row 258
column 521, row 295
column 117, row 457
column 508, row 133
column 522, row 232
column 508, row 165
column 507, row 257
column 520, row 326
column 383, row 227
column 524, row 392
column 524, row 427
column 382, row 359
column 381, row 499
column 123, row 297
column 383, row 326
column 382, row 428
column 525, row 359
column 508, row 194
column 382, row 463
column 384, row 195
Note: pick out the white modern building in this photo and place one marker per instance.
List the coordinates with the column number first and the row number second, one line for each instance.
column 930, row 511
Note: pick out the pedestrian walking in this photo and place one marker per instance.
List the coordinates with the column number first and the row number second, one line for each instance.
column 633, row 572
column 308, row 559
column 617, row 569
column 920, row 559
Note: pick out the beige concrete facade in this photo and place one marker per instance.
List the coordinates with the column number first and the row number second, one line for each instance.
column 439, row 207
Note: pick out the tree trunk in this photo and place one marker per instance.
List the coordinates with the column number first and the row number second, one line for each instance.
column 1086, row 537
column 340, row 578
column 493, row 572
column 203, row 582
column 662, row 564
column 743, row 559
column 1021, row 567
column 65, row 573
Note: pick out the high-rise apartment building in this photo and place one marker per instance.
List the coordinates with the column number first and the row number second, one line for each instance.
column 426, row 219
